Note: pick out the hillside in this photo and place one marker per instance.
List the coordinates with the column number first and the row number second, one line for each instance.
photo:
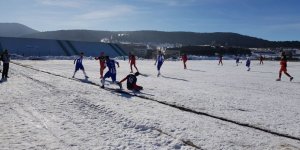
column 147, row 36
column 185, row 38
column 73, row 35
column 158, row 37
column 15, row 30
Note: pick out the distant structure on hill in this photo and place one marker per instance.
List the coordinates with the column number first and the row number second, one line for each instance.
column 45, row 47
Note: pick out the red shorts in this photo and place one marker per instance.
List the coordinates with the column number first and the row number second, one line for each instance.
column 283, row 69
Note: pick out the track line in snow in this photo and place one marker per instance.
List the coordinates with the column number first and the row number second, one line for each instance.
column 182, row 108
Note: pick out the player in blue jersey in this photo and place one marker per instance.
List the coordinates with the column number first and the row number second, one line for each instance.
column 112, row 72
column 78, row 62
column 237, row 60
column 159, row 61
column 248, row 62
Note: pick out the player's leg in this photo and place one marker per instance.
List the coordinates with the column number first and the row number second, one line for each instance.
column 6, row 71
column 3, row 71
column 131, row 68
column 279, row 76
column 136, row 67
column 114, row 78
column 285, row 72
column 158, row 68
column 76, row 69
column 82, row 68
column 137, row 87
column 107, row 75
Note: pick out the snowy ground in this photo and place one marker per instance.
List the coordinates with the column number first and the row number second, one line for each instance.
column 44, row 111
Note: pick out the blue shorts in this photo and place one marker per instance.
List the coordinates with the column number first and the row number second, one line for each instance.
column 159, row 64
column 77, row 67
column 113, row 76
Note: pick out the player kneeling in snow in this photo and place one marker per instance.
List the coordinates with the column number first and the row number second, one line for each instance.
column 131, row 82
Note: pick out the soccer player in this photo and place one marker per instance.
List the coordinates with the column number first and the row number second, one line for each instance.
column 5, row 57
column 237, row 60
column 78, row 62
column 159, row 61
column 131, row 82
column 184, row 59
column 261, row 60
column 132, row 61
column 283, row 66
column 101, row 59
column 112, row 71
column 248, row 62
column 220, row 60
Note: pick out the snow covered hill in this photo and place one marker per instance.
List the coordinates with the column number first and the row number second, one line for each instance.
column 205, row 107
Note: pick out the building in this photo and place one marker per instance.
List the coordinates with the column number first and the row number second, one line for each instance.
column 48, row 47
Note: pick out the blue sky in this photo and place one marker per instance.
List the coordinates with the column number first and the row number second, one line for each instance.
column 267, row 19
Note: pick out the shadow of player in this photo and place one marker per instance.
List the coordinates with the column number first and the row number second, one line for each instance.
column 174, row 78
column 196, row 70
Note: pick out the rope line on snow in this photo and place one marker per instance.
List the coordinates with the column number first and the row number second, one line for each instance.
column 174, row 106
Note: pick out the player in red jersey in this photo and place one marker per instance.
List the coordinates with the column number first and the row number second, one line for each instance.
column 283, row 67
column 261, row 60
column 184, row 59
column 101, row 59
column 132, row 61
column 131, row 82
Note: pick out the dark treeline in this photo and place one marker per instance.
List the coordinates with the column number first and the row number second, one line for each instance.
column 212, row 51
column 227, row 39
column 157, row 37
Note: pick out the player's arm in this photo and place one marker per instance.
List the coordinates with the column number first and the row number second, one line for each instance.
column 124, row 79
column 75, row 60
column 97, row 58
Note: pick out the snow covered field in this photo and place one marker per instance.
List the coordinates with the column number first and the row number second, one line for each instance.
column 232, row 108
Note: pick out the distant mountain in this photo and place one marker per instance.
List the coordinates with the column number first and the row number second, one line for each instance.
column 147, row 37
column 73, row 35
column 15, row 30
column 184, row 38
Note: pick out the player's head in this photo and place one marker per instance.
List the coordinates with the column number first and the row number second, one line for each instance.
column 137, row 74
column 102, row 54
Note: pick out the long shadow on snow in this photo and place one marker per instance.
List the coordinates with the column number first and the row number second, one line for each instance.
column 262, row 72
column 174, row 78
column 123, row 94
column 2, row 81
column 85, row 81
column 195, row 70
